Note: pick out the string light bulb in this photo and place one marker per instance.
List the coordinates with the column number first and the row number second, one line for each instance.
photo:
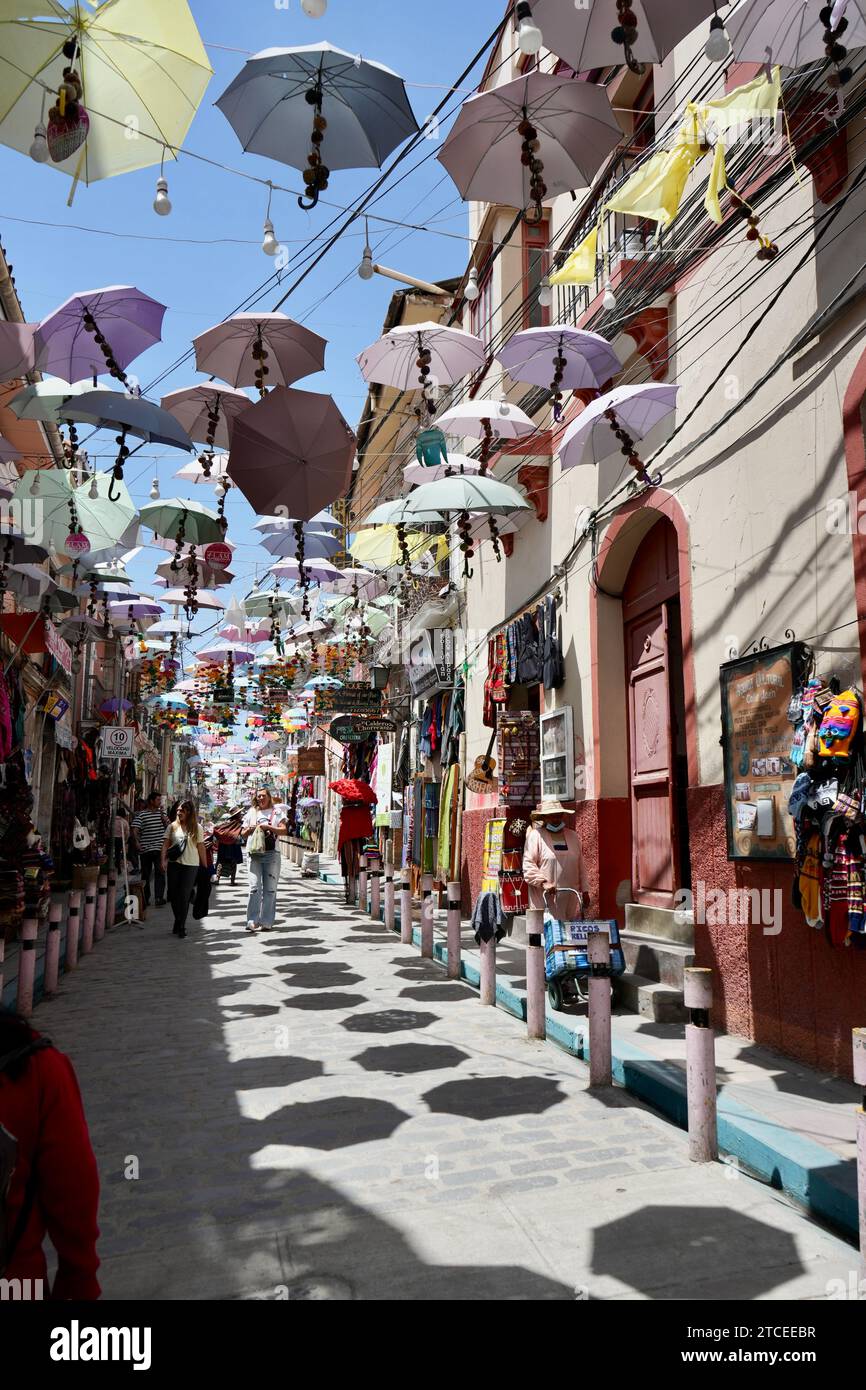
column 529, row 36
column 314, row 9
column 471, row 292
column 365, row 269
column 545, row 293
column 609, row 300
column 718, row 45
column 154, row 490
column 270, row 245
column 93, row 490
column 162, row 202
column 39, row 148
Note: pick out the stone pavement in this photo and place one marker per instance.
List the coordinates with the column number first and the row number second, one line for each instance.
column 317, row 1113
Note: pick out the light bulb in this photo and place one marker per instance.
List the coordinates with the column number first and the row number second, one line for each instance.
column 220, row 489
column 154, row 491
column 529, row 36
column 39, row 148
column 162, row 202
column 609, row 300
column 717, row 46
column 93, row 491
column 270, row 245
column 504, row 409
column 314, row 8
column 471, row 291
column 365, row 269
column 35, row 487
column 545, row 293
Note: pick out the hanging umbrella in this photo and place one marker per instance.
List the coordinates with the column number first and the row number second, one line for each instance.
column 50, row 502
column 260, row 604
column 207, row 411
column 317, row 108
column 131, row 414
column 353, row 580
column 200, row 524
column 114, row 706
column 319, row 570
column 318, row 545
column 585, row 36
column 247, row 348
column 194, row 472
column 322, row 521
column 207, row 575
column 793, row 33
column 353, row 789
column 380, row 547
column 98, row 332
column 570, row 123
column 292, row 445
column 559, row 356
column 419, row 354
column 42, row 399
column 398, row 513
column 104, row 518
column 143, row 70
column 468, row 419
column 204, row 598
column 614, row 421
column 17, row 349
column 132, row 611
column 417, row 473
column 219, row 651
column 465, row 493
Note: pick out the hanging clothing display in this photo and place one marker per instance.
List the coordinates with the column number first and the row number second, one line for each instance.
column 553, row 663
column 519, row 764
column 495, row 691
column 449, row 811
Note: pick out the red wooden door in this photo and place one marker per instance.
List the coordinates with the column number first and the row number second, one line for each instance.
column 652, row 585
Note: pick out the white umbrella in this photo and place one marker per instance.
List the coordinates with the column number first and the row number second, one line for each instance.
column 447, row 354
column 204, row 598
column 614, row 420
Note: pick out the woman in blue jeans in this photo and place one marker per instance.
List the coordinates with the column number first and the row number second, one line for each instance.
column 264, row 868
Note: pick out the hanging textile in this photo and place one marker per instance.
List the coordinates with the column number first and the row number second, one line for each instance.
column 449, row 803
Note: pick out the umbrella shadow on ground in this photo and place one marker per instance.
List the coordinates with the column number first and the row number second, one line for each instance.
column 340, row 1122
column 251, row 1073
column 331, row 1000
column 275, row 950
column 319, row 975
column 494, row 1097
column 405, row 1059
column 299, row 951
column 389, row 1021
column 438, row 994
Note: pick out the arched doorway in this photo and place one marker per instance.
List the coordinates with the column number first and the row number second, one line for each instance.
column 656, row 719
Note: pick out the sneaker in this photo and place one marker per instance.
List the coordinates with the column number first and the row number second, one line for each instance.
column 252, row 927
column 272, row 927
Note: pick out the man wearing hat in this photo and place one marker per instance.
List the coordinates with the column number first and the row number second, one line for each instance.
column 553, row 863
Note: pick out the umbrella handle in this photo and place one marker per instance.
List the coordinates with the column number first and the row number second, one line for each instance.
column 112, row 495
column 307, row 203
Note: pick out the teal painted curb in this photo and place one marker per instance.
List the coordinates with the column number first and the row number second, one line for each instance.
column 815, row 1177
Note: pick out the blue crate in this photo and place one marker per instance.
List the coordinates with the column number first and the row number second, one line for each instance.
column 565, row 946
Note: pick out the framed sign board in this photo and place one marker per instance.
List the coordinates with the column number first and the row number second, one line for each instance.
column 311, row 761
column 756, row 739
column 354, row 698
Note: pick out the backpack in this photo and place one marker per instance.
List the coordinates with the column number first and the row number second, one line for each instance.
column 839, row 725
column 8, row 1160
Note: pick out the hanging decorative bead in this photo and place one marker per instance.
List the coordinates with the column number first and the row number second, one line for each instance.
column 628, row 448
column 316, row 174
column 213, row 419
column 222, row 521
column 114, row 367
column 302, row 573
column 494, row 536
column 191, row 590
column 835, row 51
column 529, row 159
column 177, row 558
column 625, row 34
column 260, row 355
column 559, row 365
column 467, row 545
column 486, row 447
column 117, row 471
column 768, row 250
column 422, row 362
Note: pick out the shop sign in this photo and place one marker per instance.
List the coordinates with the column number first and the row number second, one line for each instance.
column 349, row 729
column 218, row 555
column 431, row 662
column 63, row 735
column 117, row 741
column 55, row 706
column 311, row 761
column 58, row 648
column 756, row 691
column 354, row 698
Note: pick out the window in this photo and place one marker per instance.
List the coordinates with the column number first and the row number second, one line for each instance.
column 481, row 315
column 557, row 755
column 536, row 263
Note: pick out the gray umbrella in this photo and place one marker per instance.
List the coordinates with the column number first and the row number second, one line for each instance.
column 583, row 34
column 317, row 108
column 792, row 32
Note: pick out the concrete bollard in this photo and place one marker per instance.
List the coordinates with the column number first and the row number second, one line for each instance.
column 536, row 987
column 101, row 907
column 700, row 1066
column 2, row 958
column 406, row 910
column 27, row 966
column 427, row 915
column 488, row 971
column 598, row 950
column 89, row 918
column 73, row 928
column 375, row 890
column 860, row 1080
column 362, row 883
column 52, row 946
column 111, row 900
column 389, row 888
column 455, row 921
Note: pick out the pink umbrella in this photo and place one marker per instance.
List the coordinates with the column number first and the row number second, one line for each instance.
column 615, row 420
column 248, row 348
column 567, row 130
column 17, row 349
column 421, row 353
column 207, row 411
column 586, row 36
column 204, row 598
column 356, row 581
column 98, row 332
column 417, row 473
column 292, row 449
column 559, row 356
column 208, row 576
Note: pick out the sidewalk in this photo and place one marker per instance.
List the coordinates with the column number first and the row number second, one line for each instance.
column 787, row 1123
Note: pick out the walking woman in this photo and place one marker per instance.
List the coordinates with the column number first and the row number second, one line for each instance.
column 183, row 852
column 269, row 819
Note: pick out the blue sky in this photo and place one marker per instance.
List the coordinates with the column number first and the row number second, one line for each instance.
column 206, row 256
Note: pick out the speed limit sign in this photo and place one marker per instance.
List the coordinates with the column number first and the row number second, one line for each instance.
column 117, row 742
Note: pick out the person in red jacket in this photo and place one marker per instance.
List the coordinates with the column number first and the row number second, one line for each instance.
column 54, row 1185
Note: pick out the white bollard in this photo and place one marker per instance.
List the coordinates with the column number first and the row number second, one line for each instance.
column 52, row 946
column 389, row 887
column 376, row 889
column 598, row 950
column 27, row 965
column 362, row 883
column 101, row 907
column 700, row 1066
column 488, row 971
column 455, row 921
column 406, row 909
column 427, row 915
column 536, row 985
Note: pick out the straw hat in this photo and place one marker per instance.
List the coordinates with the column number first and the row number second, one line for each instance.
column 550, row 810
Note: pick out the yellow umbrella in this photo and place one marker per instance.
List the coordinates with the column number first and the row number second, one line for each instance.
column 138, row 74
column 380, row 546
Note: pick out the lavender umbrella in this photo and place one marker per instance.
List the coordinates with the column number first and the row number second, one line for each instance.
column 559, row 357
column 292, row 448
column 618, row 417
column 246, row 348
column 792, row 32
column 320, row 570
column 421, row 353
column 584, row 35
column 572, row 123
column 322, row 521
column 98, row 332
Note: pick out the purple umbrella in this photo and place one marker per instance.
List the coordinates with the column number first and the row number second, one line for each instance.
column 98, row 332
column 421, row 354
column 318, row 545
column 114, row 706
column 292, row 449
column 562, row 128
column 583, row 35
column 616, row 419
column 247, row 348
column 559, row 357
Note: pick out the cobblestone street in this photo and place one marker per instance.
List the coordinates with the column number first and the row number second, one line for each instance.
column 317, row 1113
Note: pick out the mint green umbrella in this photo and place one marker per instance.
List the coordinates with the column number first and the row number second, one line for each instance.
column 200, row 525
column 52, row 508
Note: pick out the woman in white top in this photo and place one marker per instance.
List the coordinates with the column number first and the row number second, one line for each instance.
column 264, row 867
column 183, row 834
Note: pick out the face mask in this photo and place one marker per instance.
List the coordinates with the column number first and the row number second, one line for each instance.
column 554, row 826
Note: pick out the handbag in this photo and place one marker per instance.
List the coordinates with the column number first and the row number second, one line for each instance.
column 262, row 841
column 176, row 850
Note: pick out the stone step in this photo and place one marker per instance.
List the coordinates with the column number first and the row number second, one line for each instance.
column 656, row 958
column 650, row 998
column 660, row 922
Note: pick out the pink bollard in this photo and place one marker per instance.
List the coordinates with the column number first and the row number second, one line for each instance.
column 598, row 950
column 389, row 896
column 700, row 1066
column 73, row 928
column 362, row 883
column 427, row 915
column 27, row 965
column 860, row 1080
column 455, row 921
column 111, row 900
column 89, row 918
column 536, row 986
column 101, row 905
column 488, row 971
column 52, row 946
column 406, row 910
column 375, row 890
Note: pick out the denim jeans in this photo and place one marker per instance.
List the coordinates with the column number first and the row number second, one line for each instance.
column 150, row 864
column 265, row 875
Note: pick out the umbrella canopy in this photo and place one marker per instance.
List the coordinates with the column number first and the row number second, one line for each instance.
column 143, row 71
column 789, row 33
column 398, row 513
column 204, row 598
column 132, row 414
column 318, row 570
column 637, row 409
column 469, row 418
column 582, row 35
column 505, row 525
column 229, row 350
column 114, row 706
column 285, row 605
column 536, row 355
column 127, row 319
column 573, row 122
column 323, row 683
column 464, row 493
column 43, row 399
column 200, row 524
column 17, row 349
column 322, row 521
column 293, row 447
column 393, row 360
column 353, row 789
column 52, row 492
column 207, row 411
column 380, row 547
column 218, row 651
column 346, row 581
column 206, row 575
column 318, row 545
column 124, row 610
column 194, row 472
